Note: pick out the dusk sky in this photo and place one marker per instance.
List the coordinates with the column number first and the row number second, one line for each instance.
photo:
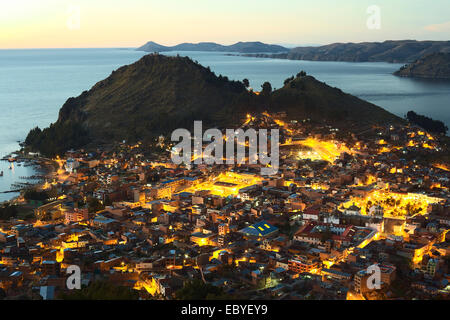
column 118, row 23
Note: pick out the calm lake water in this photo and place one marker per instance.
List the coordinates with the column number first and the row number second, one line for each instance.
column 34, row 84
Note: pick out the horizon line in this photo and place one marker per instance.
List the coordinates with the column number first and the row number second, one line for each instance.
column 280, row 44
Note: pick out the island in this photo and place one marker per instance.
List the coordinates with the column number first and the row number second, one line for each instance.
column 160, row 93
column 241, row 47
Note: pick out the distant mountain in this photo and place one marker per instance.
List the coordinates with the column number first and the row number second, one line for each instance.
column 240, row 47
column 158, row 94
column 433, row 66
column 402, row 51
column 152, row 47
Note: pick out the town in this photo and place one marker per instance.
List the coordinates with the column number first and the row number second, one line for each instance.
column 340, row 203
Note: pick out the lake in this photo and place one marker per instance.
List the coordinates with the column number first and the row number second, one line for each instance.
column 34, row 84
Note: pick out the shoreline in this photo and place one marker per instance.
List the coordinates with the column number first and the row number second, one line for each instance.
column 43, row 169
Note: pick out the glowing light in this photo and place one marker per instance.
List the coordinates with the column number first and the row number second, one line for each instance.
column 226, row 184
column 441, row 166
column 326, row 150
column 279, row 122
column 393, row 204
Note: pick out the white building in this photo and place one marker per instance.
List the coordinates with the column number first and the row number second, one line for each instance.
column 71, row 165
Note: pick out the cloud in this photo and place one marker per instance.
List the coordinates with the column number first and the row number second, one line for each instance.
column 441, row 27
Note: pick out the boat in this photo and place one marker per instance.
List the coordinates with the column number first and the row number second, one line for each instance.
column 12, row 159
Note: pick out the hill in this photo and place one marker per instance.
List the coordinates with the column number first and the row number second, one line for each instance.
column 241, row 47
column 158, row 94
column 433, row 66
column 388, row 51
column 306, row 97
column 435, row 126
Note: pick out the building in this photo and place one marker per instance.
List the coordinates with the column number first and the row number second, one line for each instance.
column 260, row 230
column 75, row 215
column 71, row 165
column 360, row 281
column 387, row 275
column 203, row 238
column 431, row 267
column 50, row 267
column 302, row 264
column 103, row 222
column 52, row 209
column 223, row 229
column 336, row 275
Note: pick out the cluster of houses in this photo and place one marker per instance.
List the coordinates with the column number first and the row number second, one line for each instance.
column 308, row 232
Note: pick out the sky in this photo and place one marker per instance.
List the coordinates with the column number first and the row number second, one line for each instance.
column 131, row 23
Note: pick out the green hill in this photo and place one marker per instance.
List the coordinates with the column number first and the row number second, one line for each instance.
column 158, row 94
column 306, row 97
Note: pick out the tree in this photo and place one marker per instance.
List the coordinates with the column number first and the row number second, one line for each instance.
column 8, row 211
column 266, row 88
column 101, row 290
column 246, row 82
column 58, row 137
column 32, row 194
column 301, row 74
column 95, row 205
column 288, row 80
column 33, row 136
column 428, row 124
